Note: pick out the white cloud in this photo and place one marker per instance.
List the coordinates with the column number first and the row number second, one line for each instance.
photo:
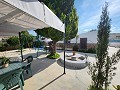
column 92, row 21
column 86, row 30
column 85, row 4
column 114, row 8
column 114, row 29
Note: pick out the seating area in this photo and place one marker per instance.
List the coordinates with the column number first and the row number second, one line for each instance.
column 11, row 79
column 12, row 75
column 74, row 62
column 30, row 58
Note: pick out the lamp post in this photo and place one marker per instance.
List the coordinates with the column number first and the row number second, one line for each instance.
column 21, row 45
column 64, row 48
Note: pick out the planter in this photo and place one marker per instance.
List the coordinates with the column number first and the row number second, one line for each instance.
column 5, row 65
column 74, row 52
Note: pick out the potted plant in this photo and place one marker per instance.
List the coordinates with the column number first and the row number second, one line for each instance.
column 5, row 61
column 74, row 52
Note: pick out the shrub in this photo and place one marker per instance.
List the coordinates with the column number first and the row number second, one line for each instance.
column 55, row 56
column 37, row 44
column 1, row 46
column 92, row 87
column 90, row 50
column 5, row 60
column 26, row 39
column 82, row 50
column 75, row 48
column 5, row 44
column 13, row 41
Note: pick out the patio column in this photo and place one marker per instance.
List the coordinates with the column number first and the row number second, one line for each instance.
column 64, row 50
column 20, row 46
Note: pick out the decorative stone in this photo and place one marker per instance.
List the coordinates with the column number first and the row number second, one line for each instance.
column 82, row 58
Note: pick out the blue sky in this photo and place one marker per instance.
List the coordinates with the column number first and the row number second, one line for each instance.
column 89, row 12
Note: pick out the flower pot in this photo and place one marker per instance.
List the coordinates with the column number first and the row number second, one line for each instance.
column 5, row 65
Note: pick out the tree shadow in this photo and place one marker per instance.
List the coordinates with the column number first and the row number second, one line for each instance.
column 39, row 65
column 35, row 55
column 51, row 81
column 18, row 57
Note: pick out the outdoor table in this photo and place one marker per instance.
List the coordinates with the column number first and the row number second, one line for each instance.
column 11, row 68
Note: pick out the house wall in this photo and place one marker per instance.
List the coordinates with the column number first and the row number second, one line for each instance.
column 92, row 38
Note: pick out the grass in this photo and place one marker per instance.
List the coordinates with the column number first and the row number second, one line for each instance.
column 55, row 56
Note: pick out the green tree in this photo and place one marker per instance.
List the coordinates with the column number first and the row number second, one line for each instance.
column 102, row 71
column 65, row 10
column 13, row 41
column 71, row 23
column 27, row 39
column 102, row 45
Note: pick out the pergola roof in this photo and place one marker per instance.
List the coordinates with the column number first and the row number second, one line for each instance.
column 21, row 15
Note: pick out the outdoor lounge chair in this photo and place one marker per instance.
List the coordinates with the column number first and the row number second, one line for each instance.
column 27, row 68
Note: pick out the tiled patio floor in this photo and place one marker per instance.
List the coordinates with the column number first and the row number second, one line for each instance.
column 48, row 74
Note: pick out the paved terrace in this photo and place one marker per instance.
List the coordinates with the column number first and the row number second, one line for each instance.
column 48, row 73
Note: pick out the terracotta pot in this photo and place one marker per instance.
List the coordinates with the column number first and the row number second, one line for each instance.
column 74, row 52
column 5, row 65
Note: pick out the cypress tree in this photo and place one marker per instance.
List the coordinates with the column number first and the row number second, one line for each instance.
column 102, row 71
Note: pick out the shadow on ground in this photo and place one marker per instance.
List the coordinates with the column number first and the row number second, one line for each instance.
column 39, row 65
column 35, row 55
column 51, row 82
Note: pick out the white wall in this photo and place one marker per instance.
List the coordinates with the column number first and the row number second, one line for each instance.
column 114, row 36
column 91, row 37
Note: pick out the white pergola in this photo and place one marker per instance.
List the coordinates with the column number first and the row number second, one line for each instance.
column 22, row 15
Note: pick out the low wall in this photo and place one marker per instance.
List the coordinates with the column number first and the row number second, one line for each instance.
column 74, row 64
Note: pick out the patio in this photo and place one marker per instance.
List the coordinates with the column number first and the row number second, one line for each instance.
column 48, row 73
